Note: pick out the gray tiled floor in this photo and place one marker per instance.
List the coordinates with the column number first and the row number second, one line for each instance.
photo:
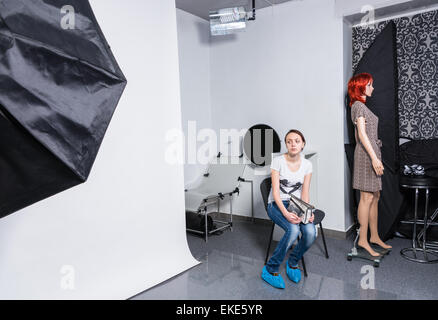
column 232, row 263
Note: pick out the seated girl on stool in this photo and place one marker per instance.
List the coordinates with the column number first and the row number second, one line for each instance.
column 290, row 173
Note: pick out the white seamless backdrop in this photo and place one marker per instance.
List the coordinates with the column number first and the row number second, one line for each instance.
column 122, row 231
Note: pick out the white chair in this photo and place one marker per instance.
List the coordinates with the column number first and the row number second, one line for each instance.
column 221, row 180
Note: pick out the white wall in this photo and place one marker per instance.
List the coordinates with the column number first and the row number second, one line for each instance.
column 194, row 68
column 122, row 231
column 348, row 72
column 286, row 70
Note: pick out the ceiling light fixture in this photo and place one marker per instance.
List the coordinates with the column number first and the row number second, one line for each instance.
column 229, row 20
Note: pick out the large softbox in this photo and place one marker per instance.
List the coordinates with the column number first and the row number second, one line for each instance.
column 380, row 61
column 60, row 85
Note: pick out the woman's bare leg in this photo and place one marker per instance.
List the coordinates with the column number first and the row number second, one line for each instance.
column 363, row 214
column 374, row 234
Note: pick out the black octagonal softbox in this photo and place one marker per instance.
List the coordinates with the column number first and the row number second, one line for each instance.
column 60, row 85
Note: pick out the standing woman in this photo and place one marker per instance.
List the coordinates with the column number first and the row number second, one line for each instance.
column 368, row 167
column 290, row 174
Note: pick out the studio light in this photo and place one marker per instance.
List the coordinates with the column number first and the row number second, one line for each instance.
column 229, row 20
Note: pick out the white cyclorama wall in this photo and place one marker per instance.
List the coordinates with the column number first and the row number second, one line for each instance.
column 194, row 68
column 122, row 231
column 286, row 70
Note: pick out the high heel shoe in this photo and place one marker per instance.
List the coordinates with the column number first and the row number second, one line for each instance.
column 365, row 250
column 379, row 249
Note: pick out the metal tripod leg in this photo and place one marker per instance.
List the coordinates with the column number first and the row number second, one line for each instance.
column 354, row 249
column 206, row 224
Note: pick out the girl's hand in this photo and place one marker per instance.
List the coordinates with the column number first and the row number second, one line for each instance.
column 312, row 218
column 293, row 218
column 378, row 166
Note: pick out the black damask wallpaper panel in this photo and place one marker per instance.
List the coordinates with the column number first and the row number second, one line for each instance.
column 417, row 59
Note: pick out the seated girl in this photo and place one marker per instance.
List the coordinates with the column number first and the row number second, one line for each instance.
column 290, row 173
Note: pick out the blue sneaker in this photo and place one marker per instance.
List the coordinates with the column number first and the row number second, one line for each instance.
column 293, row 274
column 274, row 280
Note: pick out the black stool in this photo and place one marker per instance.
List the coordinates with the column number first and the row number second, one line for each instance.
column 418, row 183
column 265, row 188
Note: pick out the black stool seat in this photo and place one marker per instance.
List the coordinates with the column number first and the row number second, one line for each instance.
column 418, row 182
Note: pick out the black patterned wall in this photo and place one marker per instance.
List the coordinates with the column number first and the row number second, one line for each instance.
column 417, row 59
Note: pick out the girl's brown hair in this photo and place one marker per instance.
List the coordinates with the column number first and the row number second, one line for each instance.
column 297, row 132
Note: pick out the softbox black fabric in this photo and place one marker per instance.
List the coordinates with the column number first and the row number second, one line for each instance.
column 381, row 62
column 422, row 152
column 60, row 87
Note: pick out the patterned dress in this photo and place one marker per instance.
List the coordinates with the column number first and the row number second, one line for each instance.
column 364, row 176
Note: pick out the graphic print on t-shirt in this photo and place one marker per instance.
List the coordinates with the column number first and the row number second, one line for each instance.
column 287, row 184
column 289, row 179
column 292, row 207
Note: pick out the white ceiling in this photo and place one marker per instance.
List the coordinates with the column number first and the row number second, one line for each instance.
column 345, row 8
column 201, row 8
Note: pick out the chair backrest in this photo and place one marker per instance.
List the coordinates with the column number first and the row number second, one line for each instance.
column 265, row 188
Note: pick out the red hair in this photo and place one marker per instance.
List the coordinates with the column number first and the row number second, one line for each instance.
column 356, row 86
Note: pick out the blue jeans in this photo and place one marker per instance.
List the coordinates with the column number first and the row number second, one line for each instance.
column 291, row 233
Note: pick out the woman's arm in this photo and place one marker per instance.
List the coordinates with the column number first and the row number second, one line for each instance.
column 275, row 178
column 305, row 192
column 306, row 187
column 363, row 137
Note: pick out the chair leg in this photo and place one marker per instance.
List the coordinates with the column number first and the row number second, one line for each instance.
column 270, row 241
column 323, row 240
column 302, row 260
column 304, row 266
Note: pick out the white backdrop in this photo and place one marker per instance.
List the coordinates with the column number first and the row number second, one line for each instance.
column 194, row 74
column 123, row 231
column 286, row 70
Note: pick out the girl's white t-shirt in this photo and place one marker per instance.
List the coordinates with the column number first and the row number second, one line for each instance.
column 290, row 180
